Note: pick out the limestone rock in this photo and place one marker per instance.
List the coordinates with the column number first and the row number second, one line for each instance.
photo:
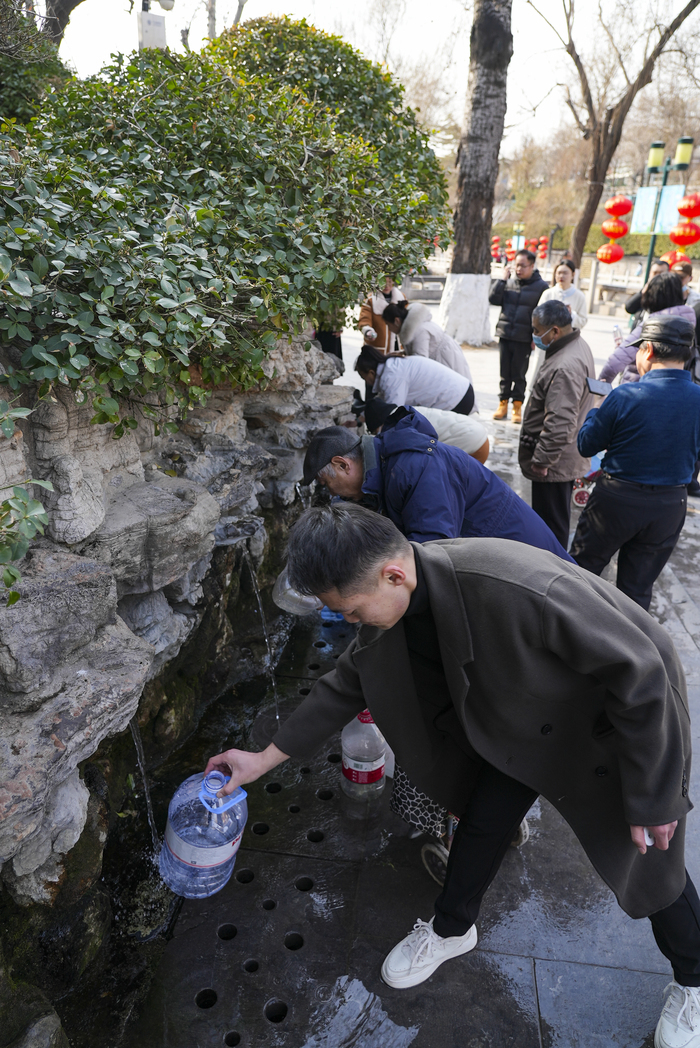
column 44, row 1032
column 154, row 532
column 151, row 616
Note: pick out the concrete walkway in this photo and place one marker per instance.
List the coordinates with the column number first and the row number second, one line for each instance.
column 288, row 954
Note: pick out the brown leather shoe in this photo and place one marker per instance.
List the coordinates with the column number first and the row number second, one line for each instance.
column 517, row 415
column 502, row 410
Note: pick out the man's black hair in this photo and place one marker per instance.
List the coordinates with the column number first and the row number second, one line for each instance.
column 341, row 547
column 528, row 254
column 664, row 291
column 552, row 313
column 672, row 354
column 369, row 359
column 395, row 311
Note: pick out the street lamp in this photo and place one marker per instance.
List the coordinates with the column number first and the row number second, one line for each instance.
column 658, row 163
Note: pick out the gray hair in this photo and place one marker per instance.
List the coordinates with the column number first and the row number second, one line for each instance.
column 552, row 314
column 329, row 471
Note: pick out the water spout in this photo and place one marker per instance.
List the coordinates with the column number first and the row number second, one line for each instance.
column 138, row 744
column 270, row 666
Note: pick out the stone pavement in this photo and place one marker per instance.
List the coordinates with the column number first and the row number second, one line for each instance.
column 288, row 954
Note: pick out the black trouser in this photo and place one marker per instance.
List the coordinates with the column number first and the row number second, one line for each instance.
column 496, row 808
column 552, row 502
column 515, row 357
column 330, row 343
column 466, row 403
column 642, row 521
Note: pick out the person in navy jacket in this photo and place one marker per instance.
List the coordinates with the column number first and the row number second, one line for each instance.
column 428, row 489
column 650, row 431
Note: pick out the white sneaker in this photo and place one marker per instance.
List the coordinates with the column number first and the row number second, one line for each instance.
column 416, row 957
column 679, row 1025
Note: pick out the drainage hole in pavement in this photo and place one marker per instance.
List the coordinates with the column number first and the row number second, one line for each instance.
column 334, row 758
column 251, row 965
column 304, row 884
column 205, row 999
column 305, row 771
column 273, row 787
column 293, row 941
column 275, row 1011
column 294, row 809
column 319, row 644
column 232, row 1039
column 324, row 795
column 269, row 904
column 227, row 931
column 244, row 876
column 314, row 836
column 314, row 665
column 260, row 828
column 304, row 691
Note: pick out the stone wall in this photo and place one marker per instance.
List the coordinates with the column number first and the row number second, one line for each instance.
column 130, row 601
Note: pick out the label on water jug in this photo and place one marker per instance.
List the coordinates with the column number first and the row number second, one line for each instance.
column 200, row 857
column 363, row 772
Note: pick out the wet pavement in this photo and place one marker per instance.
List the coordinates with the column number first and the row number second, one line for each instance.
column 289, row 953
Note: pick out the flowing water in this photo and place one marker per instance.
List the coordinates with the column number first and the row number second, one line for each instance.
column 304, row 494
column 146, row 791
column 270, row 662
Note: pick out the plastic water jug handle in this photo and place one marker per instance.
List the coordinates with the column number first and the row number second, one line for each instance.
column 207, row 795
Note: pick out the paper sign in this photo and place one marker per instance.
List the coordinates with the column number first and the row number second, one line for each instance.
column 643, row 214
column 668, row 216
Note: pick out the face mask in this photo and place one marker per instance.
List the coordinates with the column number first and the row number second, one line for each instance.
column 537, row 339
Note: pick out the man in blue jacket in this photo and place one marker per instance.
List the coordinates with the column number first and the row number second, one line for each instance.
column 428, row 489
column 650, row 431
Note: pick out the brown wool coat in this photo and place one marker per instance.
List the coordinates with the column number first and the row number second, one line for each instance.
column 557, row 678
column 556, row 408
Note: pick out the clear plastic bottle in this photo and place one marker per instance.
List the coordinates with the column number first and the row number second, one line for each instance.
column 617, row 335
column 202, row 836
column 363, row 748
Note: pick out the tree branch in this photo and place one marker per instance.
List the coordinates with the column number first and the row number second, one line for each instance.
column 612, row 42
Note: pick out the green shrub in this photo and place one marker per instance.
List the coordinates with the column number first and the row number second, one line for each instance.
column 163, row 224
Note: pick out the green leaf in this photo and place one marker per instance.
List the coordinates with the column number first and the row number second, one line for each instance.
column 5, row 264
column 12, row 598
column 129, row 367
column 40, row 266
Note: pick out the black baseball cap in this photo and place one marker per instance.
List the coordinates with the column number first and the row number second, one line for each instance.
column 329, row 442
column 669, row 330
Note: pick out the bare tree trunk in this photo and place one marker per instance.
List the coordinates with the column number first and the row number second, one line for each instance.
column 58, row 14
column 239, row 11
column 464, row 307
column 491, row 50
column 211, row 19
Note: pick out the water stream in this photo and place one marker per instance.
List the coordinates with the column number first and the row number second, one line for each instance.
column 270, row 664
column 138, row 744
column 304, row 494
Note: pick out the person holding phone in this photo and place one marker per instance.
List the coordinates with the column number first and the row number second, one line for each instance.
column 650, row 431
column 559, row 401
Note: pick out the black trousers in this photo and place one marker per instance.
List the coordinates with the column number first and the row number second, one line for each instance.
column 330, row 343
column 552, row 502
column 496, row 808
column 641, row 521
column 515, row 357
column 466, row 403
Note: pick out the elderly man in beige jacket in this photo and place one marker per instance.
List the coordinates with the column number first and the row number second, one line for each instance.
column 559, row 402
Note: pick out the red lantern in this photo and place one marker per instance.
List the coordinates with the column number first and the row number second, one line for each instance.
column 544, row 239
column 495, row 239
column 509, row 243
column 617, row 206
column 685, row 233
column 510, row 254
column 689, row 206
column 615, row 228
column 610, row 253
column 674, row 256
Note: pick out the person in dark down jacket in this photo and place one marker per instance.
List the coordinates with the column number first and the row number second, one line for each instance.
column 430, row 490
column 495, row 673
column 558, row 403
column 517, row 296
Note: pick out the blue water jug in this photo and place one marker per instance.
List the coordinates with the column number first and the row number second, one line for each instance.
column 202, row 836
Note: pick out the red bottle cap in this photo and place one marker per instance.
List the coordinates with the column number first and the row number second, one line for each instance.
column 366, row 717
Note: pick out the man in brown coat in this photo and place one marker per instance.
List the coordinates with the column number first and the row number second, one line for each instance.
column 497, row 672
column 558, row 404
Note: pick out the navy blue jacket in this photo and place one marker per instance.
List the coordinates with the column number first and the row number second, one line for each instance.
column 650, row 428
column 436, row 491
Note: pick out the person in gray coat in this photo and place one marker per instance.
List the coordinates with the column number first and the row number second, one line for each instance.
column 555, row 411
column 422, row 337
column 496, row 673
